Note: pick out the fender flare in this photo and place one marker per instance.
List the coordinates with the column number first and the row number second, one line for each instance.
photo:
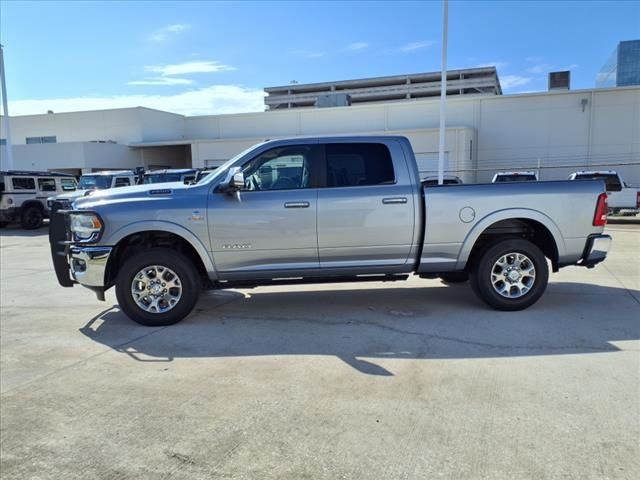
column 163, row 226
column 508, row 214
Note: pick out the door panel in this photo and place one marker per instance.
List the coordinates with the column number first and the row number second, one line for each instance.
column 365, row 225
column 271, row 225
column 257, row 231
column 366, row 215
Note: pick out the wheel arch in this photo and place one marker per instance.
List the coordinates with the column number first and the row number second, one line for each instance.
column 157, row 234
column 530, row 224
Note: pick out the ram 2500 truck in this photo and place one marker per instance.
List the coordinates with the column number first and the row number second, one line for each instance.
column 310, row 210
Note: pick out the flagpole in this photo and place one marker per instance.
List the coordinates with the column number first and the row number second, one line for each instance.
column 443, row 91
column 5, row 109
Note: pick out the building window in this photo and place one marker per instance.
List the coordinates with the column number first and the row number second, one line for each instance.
column 356, row 164
column 47, row 184
column 3, row 141
column 23, row 183
column 49, row 139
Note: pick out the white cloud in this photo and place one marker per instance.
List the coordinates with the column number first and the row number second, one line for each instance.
column 214, row 99
column 541, row 68
column 308, row 54
column 358, row 46
column 161, row 34
column 161, row 81
column 189, row 67
column 415, row 46
column 512, row 81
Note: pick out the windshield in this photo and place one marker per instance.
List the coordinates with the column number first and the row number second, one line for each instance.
column 162, row 177
column 516, row 178
column 222, row 169
column 89, row 182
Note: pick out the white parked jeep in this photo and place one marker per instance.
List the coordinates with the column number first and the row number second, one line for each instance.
column 23, row 195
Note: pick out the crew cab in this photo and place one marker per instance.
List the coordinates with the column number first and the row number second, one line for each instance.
column 24, row 195
column 92, row 182
column 310, row 210
column 502, row 177
column 622, row 197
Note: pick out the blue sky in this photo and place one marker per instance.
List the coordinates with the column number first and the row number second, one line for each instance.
column 215, row 57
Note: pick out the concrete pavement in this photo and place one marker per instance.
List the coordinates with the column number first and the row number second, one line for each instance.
column 400, row 380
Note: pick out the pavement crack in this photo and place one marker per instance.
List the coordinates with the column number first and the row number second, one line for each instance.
column 432, row 336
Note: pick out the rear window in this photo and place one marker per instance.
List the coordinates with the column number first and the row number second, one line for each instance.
column 516, row 178
column 122, row 182
column 612, row 182
column 358, row 164
column 23, row 183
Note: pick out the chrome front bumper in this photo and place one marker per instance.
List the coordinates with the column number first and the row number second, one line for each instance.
column 596, row 250
column 88, row 265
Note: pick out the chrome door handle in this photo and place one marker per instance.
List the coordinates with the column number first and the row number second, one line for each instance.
column 296, row 205
column 390, row 200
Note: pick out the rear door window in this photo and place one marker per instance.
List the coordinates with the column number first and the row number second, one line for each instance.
column 23, row 183
column 358, row 164
column 47, row 184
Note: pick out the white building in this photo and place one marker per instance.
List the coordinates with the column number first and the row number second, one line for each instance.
column 558, row 131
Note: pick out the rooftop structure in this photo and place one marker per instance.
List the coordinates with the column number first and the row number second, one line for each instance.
column 469, row 81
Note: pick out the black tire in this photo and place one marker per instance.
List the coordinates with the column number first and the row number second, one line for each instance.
column 454, row 277
column 483, row 267
column 167, row 258
column 31, row 218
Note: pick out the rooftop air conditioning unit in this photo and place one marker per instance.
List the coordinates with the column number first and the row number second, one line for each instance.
column 333, row 100
column 559, row 80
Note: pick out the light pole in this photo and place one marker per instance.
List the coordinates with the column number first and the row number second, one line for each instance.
column 5, row 108
column 443, row 91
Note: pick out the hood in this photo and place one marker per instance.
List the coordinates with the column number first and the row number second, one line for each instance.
column 130, row 194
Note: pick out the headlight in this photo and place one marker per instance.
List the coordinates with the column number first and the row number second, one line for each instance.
column 86, row 227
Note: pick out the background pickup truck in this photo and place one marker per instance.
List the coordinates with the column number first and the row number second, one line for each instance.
column 622, row 198
column 310, row 210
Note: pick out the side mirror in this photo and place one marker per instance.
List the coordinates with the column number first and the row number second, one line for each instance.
column 237, row 181
column 233, row 182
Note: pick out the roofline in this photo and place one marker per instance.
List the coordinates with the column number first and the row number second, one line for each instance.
column 457, row 98
column 97, row 111
column 386, row 78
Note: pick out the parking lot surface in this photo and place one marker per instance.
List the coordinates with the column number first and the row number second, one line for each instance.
column 413, row 380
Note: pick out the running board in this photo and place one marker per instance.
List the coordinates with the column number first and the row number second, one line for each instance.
column 222, row 284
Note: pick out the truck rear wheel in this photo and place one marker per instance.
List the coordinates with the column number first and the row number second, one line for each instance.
column 159, row 287
column 31, row 218
column 511, row 274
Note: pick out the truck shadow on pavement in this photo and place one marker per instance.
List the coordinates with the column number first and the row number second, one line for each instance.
column 364, row 326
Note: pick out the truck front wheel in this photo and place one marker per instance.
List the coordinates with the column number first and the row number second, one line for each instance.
column 158, row 287
column 511, row 274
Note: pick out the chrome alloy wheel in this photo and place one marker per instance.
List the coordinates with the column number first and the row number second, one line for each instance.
column 513, row 275
column 156, row 289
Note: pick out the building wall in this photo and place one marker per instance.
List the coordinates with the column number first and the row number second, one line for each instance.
column 73, row 156
column 555, row 131
column 559, row 132
column 121, row 125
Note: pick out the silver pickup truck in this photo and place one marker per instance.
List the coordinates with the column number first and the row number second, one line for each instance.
column 311, row 210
